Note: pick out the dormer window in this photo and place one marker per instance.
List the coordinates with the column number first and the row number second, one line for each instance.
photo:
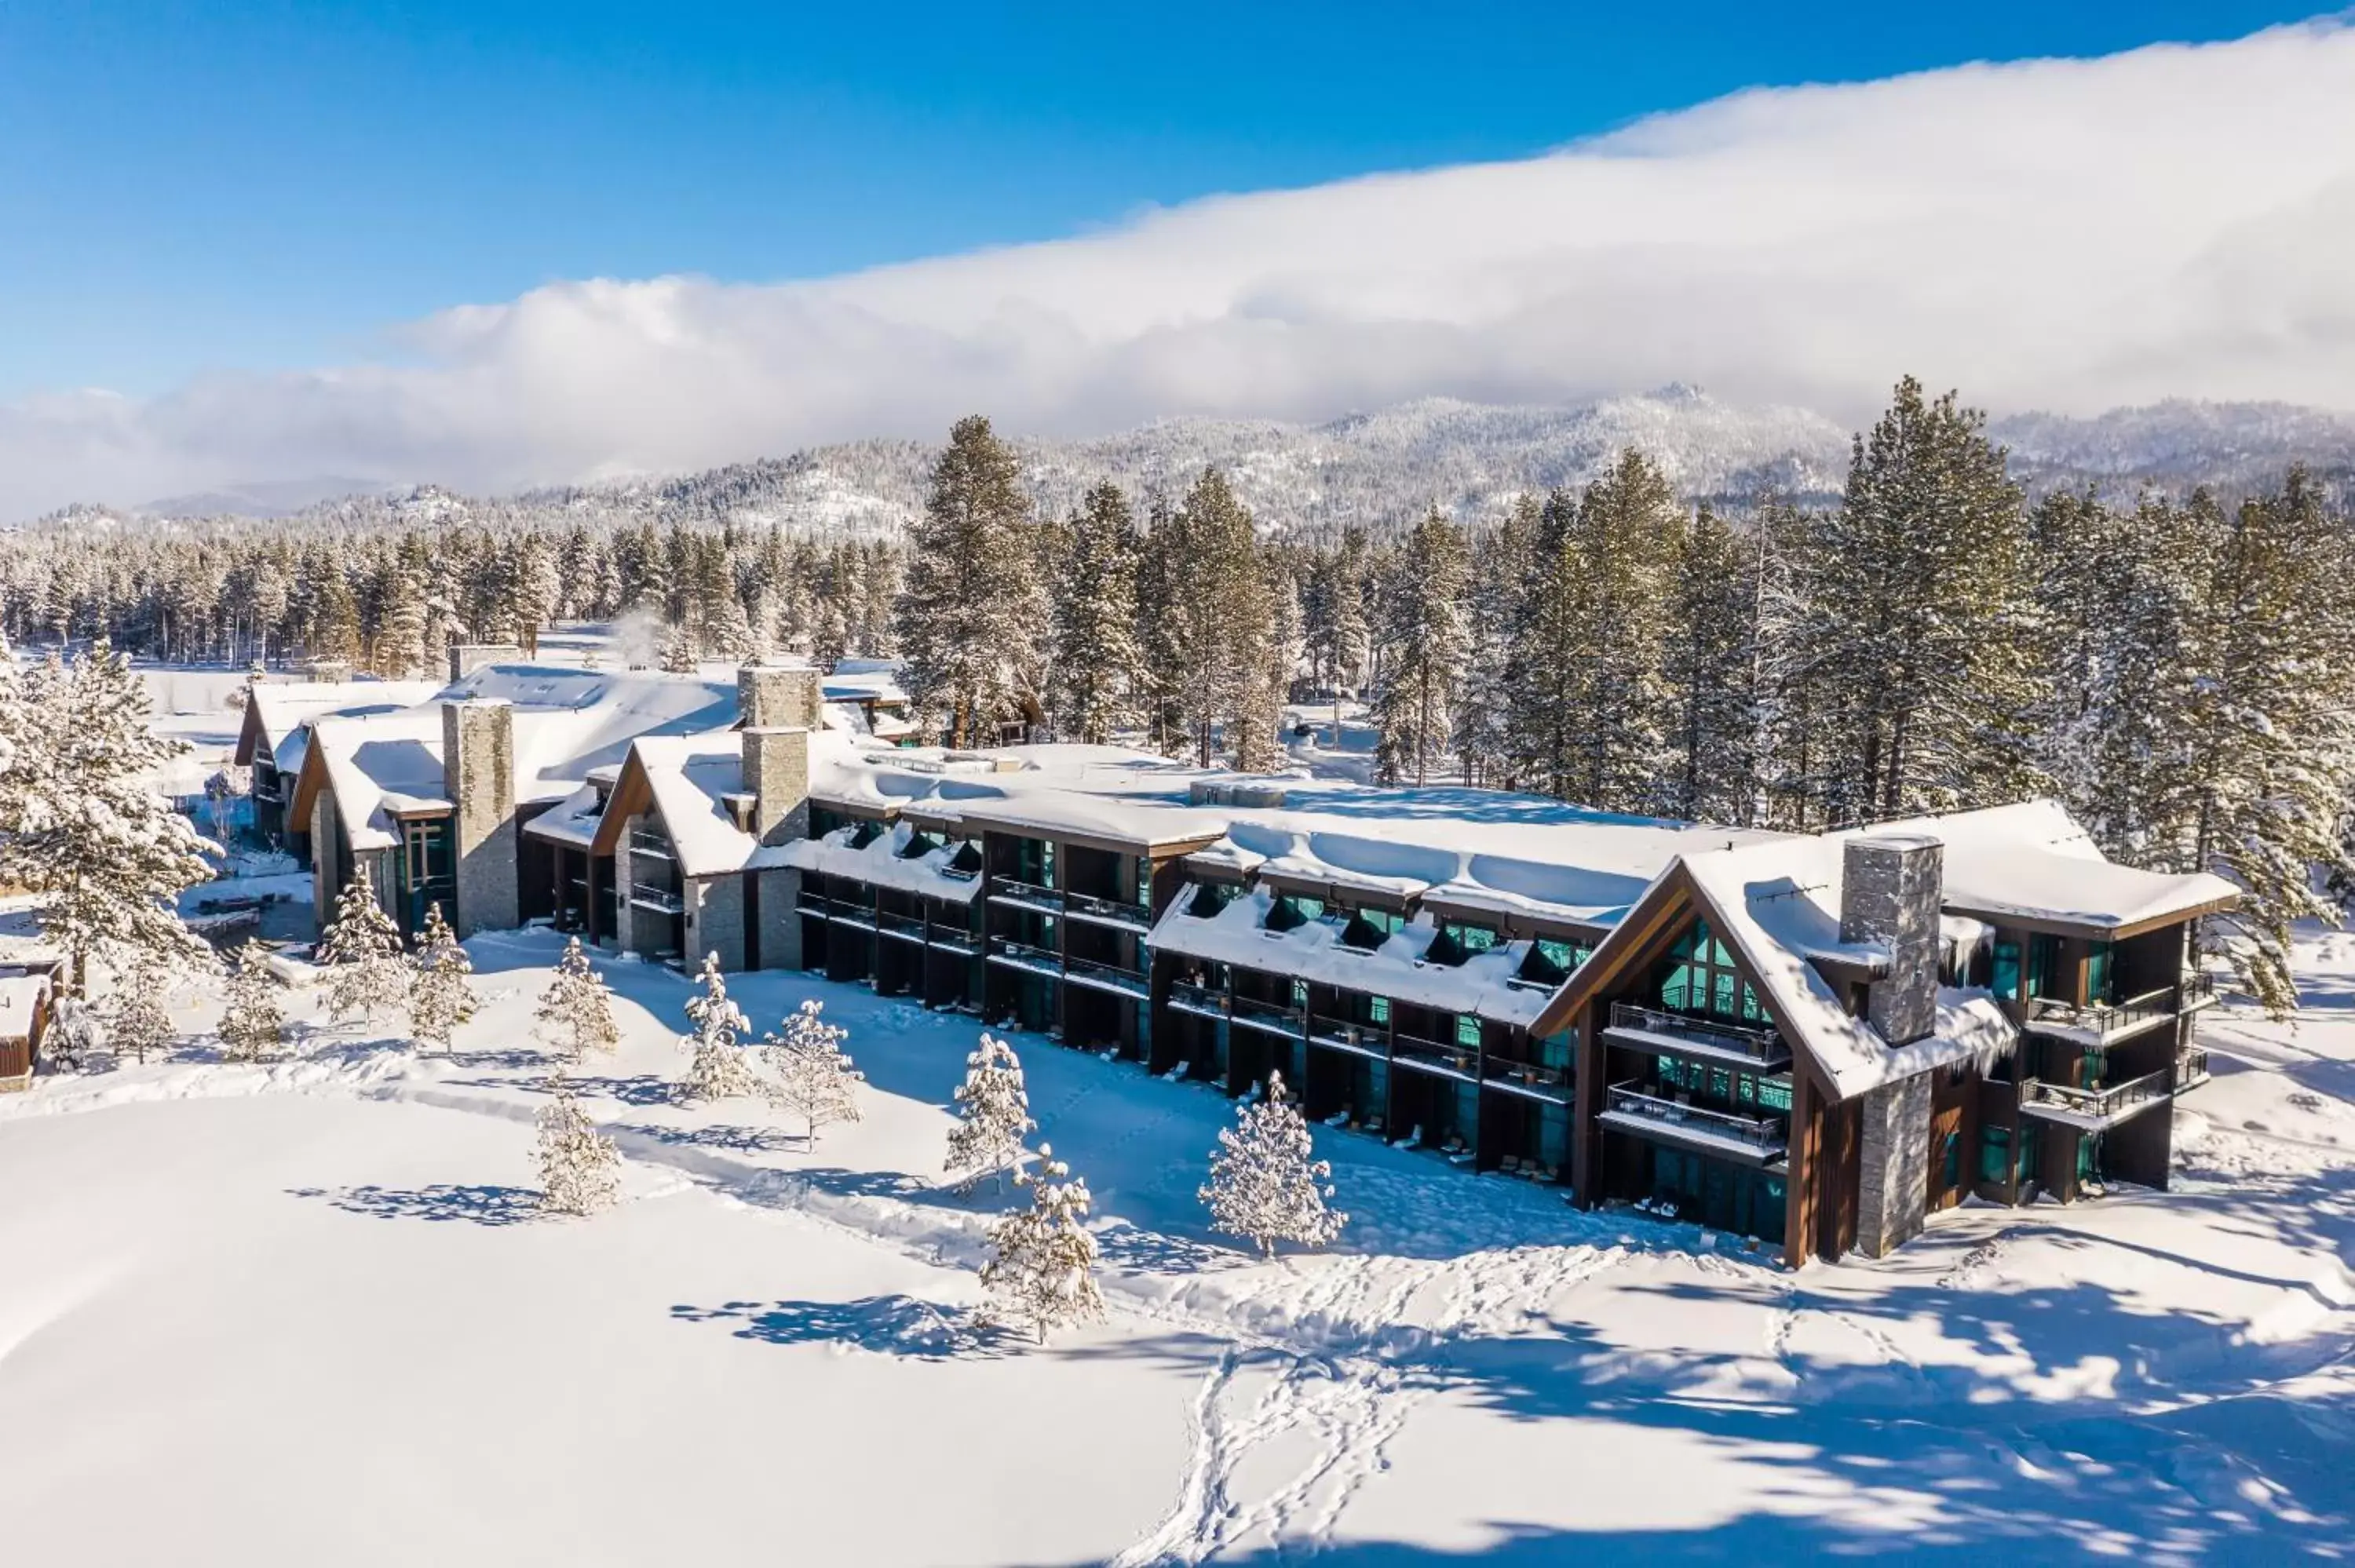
column 1292, row 910
column 1369, row 930
column 918, row 847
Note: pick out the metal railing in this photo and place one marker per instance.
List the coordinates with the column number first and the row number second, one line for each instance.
column 2107, row 1018
column 1627, row 1100
column 1111, row 911
column 1761, row 1045
column 1273, row 1017
column 1346, row 1034
column 1455, row 1060
column 1191, row 998
column 1025, row 895
column 1527, row 1075
column 2098, row 1105
column 907, row 927
column 643, row 842
column 1113, row 975
column 2190, row 1067
column 665, row 899
column 1027, row 956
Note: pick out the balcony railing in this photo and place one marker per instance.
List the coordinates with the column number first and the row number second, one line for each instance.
column 1108, row 912
column 651, row 896
column 1025, row 894
column 1272, row 1018
column 1037, row 960
column 1630, row 1107
column 1761, row 1047
column 906, row 928
column 1198, row 998
column 2108, row 1020
column 645, row 842
column 1455, row 1060
column 1345, row 1034
column 2190, row 1067
column 2096, row 1107
column 1106, row 977
column 1530, row 1077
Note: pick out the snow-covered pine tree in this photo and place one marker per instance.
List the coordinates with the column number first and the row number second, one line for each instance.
column 440, row 998
column 1257, row 736
column 1917, row 645
column 253, row 1023
column 972, row 615
column 576, row 1010
column 1709, row 669
column 993, row 1117
column 141, row 1015
column 810, row 1076
column 82, row 827
column 360, row 950
column 1423, row 650
column 1621, row 543
column 1265, row 1184
column 1212, row 614
column 1042, row 1259
column 1494, row 610
column 715, row 1068
column 76, row 1033
column 1096, row 662
column 579, row 1167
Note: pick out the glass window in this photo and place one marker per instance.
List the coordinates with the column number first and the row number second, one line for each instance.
column 1378, row 1009
column 1210, row 897
column 1952, row 1172
column 1775, row 1094
column 2004, row 974
column 1995, row 1154
column 1300, row 993
column 2044, row 965
column 2098, row 973
column 1467, row 1031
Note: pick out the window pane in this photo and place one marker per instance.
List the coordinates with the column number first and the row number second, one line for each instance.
column 1467, row 1031
column 1378, row 1009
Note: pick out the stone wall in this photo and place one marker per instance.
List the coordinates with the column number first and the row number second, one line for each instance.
column 781, row 921
column 1891, row 889
column 715, row 922
column 478, row 776
column 778, row 697
column 1894, row 1170
column 776, row 775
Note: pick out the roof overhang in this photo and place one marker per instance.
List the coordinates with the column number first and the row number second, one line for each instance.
column 2092, row 928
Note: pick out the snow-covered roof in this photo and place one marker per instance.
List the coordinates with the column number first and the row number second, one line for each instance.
column 2032, row 861
column 866, row 680
column 568, row 723
column 883, row 861
column 279, row 709
column 20, row 999
column 1237, row 936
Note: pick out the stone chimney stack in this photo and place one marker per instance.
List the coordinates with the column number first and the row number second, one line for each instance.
column 776, row 775
column 1891, row 888
column 478, row 777
column 778, row 697
column 466, row 657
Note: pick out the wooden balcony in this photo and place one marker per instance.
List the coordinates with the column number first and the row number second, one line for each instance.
column 1649, row 1028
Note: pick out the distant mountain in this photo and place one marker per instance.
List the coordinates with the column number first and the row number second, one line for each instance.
column 1383, row 468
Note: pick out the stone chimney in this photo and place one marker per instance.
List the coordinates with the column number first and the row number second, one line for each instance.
column 466, row 657
column 776, row 775
column 1891, row 888
column 478, row 777
column 332, row 670
column 778, row 697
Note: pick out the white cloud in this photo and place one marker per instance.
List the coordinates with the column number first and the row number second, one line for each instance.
column 2070, row 234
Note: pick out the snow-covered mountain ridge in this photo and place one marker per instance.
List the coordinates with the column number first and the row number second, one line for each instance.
column 1385, row 467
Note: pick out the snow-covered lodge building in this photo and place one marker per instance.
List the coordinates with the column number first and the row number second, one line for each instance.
column 1814, row 1040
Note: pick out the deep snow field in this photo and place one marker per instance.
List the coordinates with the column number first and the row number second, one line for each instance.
column 305, row 1313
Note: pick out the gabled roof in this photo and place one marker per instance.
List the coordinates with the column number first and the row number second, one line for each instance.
column 276, row 711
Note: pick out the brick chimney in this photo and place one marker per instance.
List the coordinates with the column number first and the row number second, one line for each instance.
column 478, row 777
column 776, row 775
column 466, row 657
column 778, row 697
column 1891, row 888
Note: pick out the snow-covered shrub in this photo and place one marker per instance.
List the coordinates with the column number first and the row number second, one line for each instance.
column 580, row 1169
column 143, row 1018
column 993, row 1117
column 360, row 950
column 716, row 1069
column 1042, row 1263
column 75, row 1034
column 254, row 1024
column 813, row 1078
column 439, row 998
column 576, row 1010
column 1265, row 1184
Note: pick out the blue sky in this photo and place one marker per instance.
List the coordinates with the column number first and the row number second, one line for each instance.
column 201, row 186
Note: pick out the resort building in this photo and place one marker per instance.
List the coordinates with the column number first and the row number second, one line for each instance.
column 1816, row 1040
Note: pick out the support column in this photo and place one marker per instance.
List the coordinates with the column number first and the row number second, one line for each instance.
column 1895, row 1174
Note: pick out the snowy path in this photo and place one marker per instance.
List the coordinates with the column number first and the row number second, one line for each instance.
column 1478, row 1368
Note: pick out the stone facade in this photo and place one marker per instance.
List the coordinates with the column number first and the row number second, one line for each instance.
column 776, row 775
column 466, row 657
column 478, row 776
column 715, row 922
column 781, row 921
column 777, row 696
column 1891, row 889
column 1893, row 1197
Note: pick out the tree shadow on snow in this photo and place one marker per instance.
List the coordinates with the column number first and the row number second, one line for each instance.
column 894, row 1325
column 474, row 1205
column 733, row 1139
column 641, row 1089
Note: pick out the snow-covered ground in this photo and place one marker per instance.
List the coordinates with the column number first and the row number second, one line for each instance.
column 305, row 1312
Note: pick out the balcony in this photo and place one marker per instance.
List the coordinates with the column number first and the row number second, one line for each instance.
column 1531, row 1079
column 1198, row 999
column 650, row 895
column 1025, row 896
column 1368, row 1040
column 1431, row 1056
column 2096, row 1110
column 1649, row 1028
column 954, row 940
column 1109, row 912
column 2190, row 1068
column 1030, row 959
column 902, row 927
column 1630, row 1108
column 840, row 911
column 1106, row 977
column 2100, row 1023
column 1270, row 1018
column 651, row 845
